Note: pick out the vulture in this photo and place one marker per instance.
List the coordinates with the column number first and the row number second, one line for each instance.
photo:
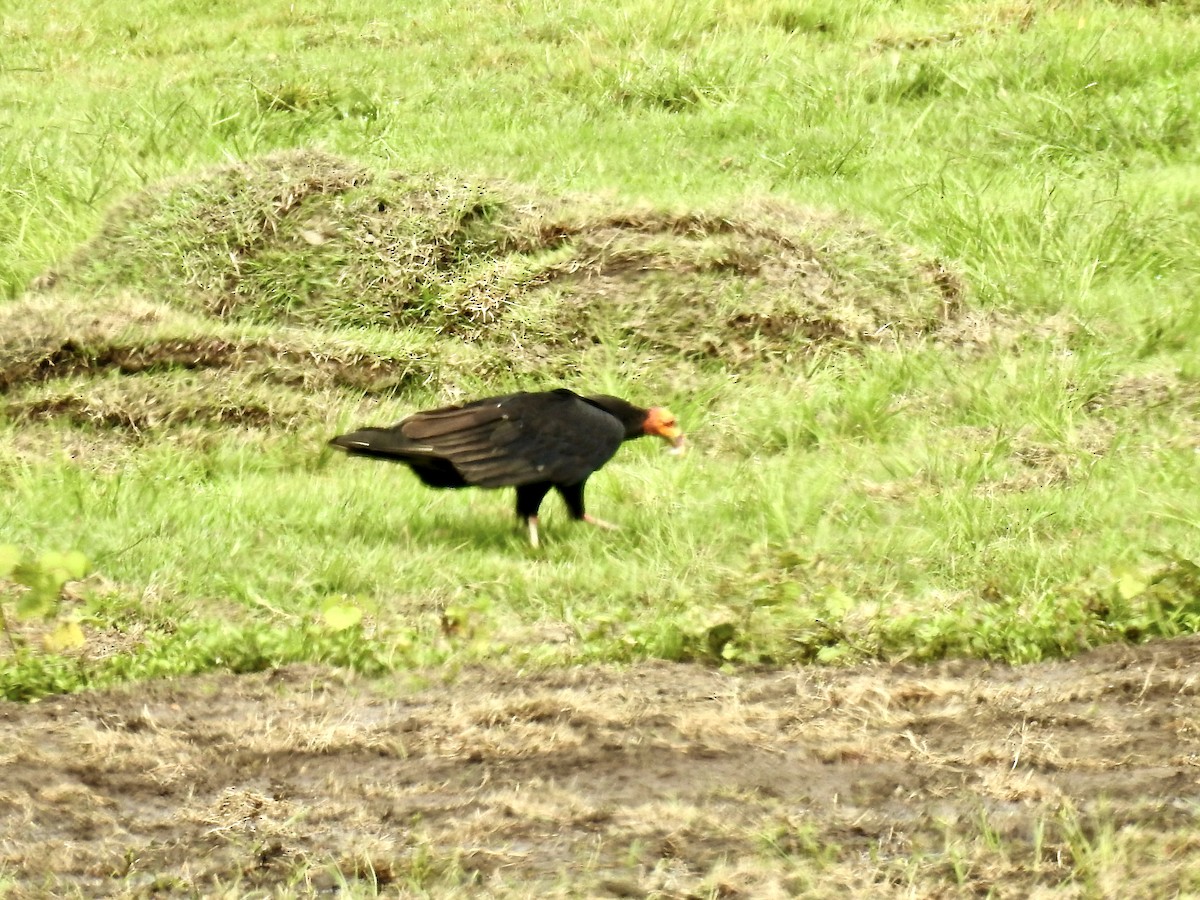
column 530, row 441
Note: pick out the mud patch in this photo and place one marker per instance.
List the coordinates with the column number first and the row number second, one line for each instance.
column 606, row 782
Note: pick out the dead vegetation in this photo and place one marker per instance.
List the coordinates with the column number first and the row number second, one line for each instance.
column 164, row 400
column 44, row 339
column 121, row 366
column 947, row 780
column 1148, row 391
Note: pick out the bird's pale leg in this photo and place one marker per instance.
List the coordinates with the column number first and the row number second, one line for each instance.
column 529, row 499
column 572, row 494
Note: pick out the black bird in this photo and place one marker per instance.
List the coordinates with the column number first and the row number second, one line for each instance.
column 530, row 441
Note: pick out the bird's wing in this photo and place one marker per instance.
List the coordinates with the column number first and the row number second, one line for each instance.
column 519, row 438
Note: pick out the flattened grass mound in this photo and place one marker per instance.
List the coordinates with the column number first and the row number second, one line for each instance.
column 162, row 400
column 63, row 335
column 123, row 366
column 308, row 239
column 288, row 286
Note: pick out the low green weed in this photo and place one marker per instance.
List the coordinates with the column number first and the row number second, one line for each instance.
column 39, row 584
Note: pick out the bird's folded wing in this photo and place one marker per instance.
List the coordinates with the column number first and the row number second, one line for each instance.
column 519, row 439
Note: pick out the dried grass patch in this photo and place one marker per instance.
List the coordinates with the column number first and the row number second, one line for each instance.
column 653, row 778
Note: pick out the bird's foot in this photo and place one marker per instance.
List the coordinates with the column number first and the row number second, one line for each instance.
column 600, row 523
column 532, row 521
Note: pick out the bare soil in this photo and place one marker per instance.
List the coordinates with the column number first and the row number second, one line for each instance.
column 958, row 779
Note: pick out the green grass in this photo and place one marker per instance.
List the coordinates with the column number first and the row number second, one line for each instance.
column 984, row 487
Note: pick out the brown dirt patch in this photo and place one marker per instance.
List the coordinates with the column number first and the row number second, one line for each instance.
column 618, row 782
column 980, row 332
column 1147, row 391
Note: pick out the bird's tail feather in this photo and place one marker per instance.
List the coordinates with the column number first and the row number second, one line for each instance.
column 384, row 442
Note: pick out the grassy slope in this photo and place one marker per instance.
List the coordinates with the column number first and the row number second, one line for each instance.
column 916, row 502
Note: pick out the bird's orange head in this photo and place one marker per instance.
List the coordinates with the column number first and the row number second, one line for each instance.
column 661, row 422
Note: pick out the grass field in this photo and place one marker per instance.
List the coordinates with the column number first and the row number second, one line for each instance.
column 919, row 279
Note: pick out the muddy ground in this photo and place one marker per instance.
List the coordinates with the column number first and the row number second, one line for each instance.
column 1066, row 779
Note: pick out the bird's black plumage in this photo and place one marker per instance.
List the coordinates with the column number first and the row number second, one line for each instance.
column 531, row 441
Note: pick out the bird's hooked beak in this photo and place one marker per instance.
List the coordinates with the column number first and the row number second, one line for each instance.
column 660, row 422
